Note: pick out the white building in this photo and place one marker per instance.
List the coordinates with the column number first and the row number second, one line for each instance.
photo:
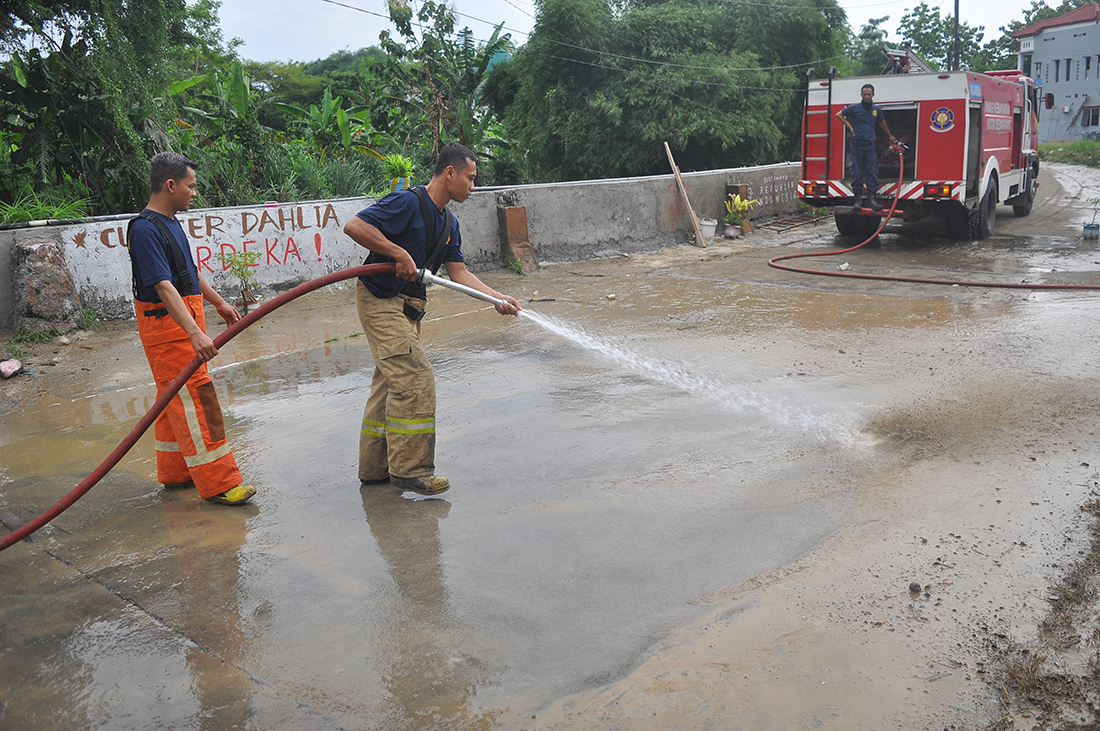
column 1063, row 56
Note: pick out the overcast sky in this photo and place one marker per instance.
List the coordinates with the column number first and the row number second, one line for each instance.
column 306, row 30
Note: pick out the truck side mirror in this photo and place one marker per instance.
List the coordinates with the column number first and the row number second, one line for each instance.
column 1048, row 100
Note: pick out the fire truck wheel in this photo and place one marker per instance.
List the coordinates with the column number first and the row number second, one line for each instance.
column 866, row 227
column 1032, row 191
column 845, row 224
column 958, row 225
column 985, row 215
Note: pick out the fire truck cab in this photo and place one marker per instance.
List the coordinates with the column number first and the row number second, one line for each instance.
column 971, row 143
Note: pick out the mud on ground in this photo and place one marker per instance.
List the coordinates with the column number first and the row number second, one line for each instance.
column 962, row 596
column 931, row 608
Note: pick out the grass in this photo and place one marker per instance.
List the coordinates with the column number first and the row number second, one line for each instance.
column 15, row 351
column 89, row 318
column 517, row 267
column 1080, row 152
column 32, row 207
column 23, row 335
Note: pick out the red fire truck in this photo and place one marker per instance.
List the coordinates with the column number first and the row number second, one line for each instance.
column 971, row 140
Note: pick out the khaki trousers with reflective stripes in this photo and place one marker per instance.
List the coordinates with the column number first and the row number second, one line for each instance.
column 190, row 432
column 398, row 433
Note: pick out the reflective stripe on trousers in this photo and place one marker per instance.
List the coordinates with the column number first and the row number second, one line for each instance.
column 398, row 432
column 190, row 432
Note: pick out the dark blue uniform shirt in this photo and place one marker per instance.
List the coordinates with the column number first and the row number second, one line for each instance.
column 147, row 250
column 863, row 120
column 399, row 219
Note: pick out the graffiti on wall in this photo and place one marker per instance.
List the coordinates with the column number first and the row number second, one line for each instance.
column 776, row 189
column 277, row 234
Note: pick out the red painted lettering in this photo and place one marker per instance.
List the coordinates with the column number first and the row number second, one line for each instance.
column 204, row 258
column 227, row 259
column 290, row 245
column 244, row 251
column 271, row 255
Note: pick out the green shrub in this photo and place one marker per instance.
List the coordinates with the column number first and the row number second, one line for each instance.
column 1080, row 152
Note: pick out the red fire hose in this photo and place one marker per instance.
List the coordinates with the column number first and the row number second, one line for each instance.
column 126, row 444
column 773, row 262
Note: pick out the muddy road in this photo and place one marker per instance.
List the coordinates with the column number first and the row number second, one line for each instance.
column 700, row 503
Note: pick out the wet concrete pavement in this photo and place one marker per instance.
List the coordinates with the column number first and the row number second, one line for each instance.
column 714, row 421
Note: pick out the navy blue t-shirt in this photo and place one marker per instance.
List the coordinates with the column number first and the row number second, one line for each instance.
column 863, row 120
column 147, row 251
column 399, row 219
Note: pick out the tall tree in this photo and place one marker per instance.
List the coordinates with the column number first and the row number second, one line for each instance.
column 109, row 59
column 446, row 71
column 599, row 87
column 865, row 57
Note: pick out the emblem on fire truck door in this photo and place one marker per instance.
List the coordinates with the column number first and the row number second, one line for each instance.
column 943, row 119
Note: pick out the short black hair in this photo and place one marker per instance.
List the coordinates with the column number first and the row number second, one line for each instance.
column 867, row 86
column 453, row 154
column 167, row 166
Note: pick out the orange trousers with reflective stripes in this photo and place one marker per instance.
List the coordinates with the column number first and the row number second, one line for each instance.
column 190, row 432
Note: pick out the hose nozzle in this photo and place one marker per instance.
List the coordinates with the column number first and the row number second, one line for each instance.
column 424, row 277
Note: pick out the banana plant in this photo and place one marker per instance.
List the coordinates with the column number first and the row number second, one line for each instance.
column 231, row 98
column 331, row 124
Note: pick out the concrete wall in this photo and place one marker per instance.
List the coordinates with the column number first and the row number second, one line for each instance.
column 300, row 241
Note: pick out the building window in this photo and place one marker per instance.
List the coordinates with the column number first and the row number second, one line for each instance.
column 1039, row 71
column 1088, row 63
column 1068, row 71
column 1057, row 70
column 1090, row 116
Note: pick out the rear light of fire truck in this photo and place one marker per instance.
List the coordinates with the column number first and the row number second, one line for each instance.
column 817, row 190
column 938, row 190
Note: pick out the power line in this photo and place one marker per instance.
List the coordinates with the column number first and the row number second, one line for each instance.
column 614, row 55
column 635, row 72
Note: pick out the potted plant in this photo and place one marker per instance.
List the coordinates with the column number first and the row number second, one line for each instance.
column 399, row 169
column 238, row 265
column 736, row 209
column 1092, row 230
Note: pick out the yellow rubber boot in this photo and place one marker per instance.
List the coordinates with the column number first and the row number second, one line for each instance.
column 236, row 496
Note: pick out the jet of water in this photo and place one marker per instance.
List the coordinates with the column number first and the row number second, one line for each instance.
column 822, row 426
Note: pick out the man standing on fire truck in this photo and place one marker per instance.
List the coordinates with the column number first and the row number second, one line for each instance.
column 861, row 120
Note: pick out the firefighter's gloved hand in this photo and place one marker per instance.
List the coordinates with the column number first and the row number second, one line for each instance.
column 897, row 147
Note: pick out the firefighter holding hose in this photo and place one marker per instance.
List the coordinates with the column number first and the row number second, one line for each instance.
column 861, row 120
column 413, row 229
column 168, row 298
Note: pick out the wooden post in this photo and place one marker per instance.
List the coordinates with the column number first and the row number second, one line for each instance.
column 700, row 241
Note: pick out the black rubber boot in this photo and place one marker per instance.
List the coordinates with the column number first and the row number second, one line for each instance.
column 873, row 204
